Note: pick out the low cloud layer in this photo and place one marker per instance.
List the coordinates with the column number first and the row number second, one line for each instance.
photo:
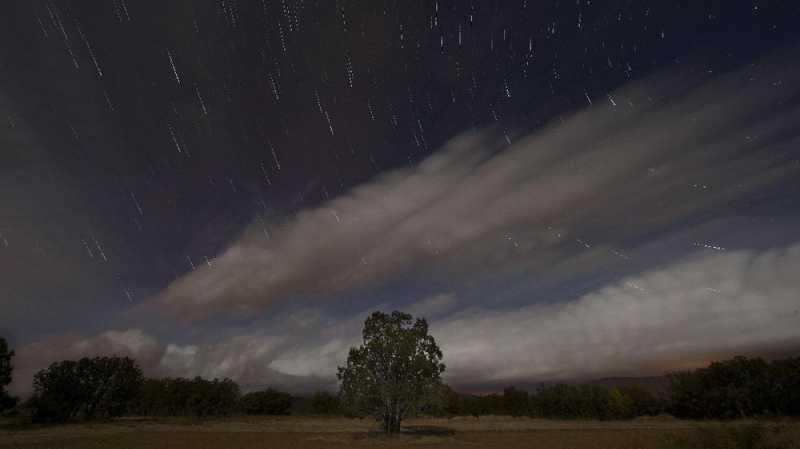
column 634, row 163
column 687, row 313
column 710, row 305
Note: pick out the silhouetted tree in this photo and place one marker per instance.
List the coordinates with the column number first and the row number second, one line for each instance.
column 324, row 403
column 452, row 403
column 99, row 387
column 642, row 402
column 196, row 397
column 784, row 386
column 397, row 367
column 267, row 402
column 6, row 369
column 737, row 388
column 475, row 406
column 618, row 405
column 515, row 402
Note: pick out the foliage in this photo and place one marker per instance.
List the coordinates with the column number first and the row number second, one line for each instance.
column 5, row 363
column 515, row 402
column 572, row 402
column 6, row 368
column 196, row 397
column 737, row 388
column 266, row 402
column 642, row 402
column 447, row 403
column 324, row 403
column 89, row 388
column 475, row 406
column 394, row 371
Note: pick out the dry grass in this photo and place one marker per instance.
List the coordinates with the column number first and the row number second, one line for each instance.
column 312, row 432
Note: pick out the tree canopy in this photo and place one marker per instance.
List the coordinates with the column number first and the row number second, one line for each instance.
column 395, row 370
column 99, row 387
column 267, row 402
column 737, row 388
column 195, row 397
column 6, row 401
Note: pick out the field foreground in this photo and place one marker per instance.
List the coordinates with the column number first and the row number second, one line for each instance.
column 318, row 432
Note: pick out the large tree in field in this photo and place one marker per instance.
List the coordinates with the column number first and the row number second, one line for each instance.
column 394, row 371
column 6, row 401
column 100, row 387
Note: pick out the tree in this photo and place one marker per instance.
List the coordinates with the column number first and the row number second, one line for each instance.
column 6, row 401
column 267, row 402
column 641, row 401
column 196, row 397
column 619, row 405
column 735, row 388
column 99, row 387
column 392, row 373
column 324, row 403
column 515, row 402
column 452, row 403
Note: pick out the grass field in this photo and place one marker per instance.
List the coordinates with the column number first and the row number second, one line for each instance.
column 489, row 432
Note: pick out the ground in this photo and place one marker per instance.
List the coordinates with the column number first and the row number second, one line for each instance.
column 318, row 432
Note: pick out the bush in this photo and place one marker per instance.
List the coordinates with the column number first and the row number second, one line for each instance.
column 324, row 403
column 737, row 388
column 515, row 402
column 6, row 368
column 642, row 402
column 593, row 402
column 7, row 402
column 196, row 397
column 100, row 387
column 267, row 402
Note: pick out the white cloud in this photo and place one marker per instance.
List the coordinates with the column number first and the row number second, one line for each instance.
column 671, row 148
column 690, row 311
column 711, row 305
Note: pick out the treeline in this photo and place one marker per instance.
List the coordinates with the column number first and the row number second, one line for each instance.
column 560, row 401
column 737, row 388
column 109, row 387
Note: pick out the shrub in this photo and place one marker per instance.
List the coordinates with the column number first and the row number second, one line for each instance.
column 6, row 368
column 324, row 403
column 267, row 402
column 100, row 387
column 196, row 397
column 737, row 388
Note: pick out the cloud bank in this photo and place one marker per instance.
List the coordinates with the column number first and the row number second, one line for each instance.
column 656, row 153
column 711, row 305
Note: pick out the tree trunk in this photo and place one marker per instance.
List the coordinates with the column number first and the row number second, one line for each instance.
column 391, row 421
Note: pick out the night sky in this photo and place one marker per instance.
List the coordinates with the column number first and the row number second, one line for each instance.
column 565, row 189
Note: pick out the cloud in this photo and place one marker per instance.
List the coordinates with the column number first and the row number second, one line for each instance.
column 433, row 306
column 554, row 205
column 707, row 306
column 685, row 314
column 658, row 152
